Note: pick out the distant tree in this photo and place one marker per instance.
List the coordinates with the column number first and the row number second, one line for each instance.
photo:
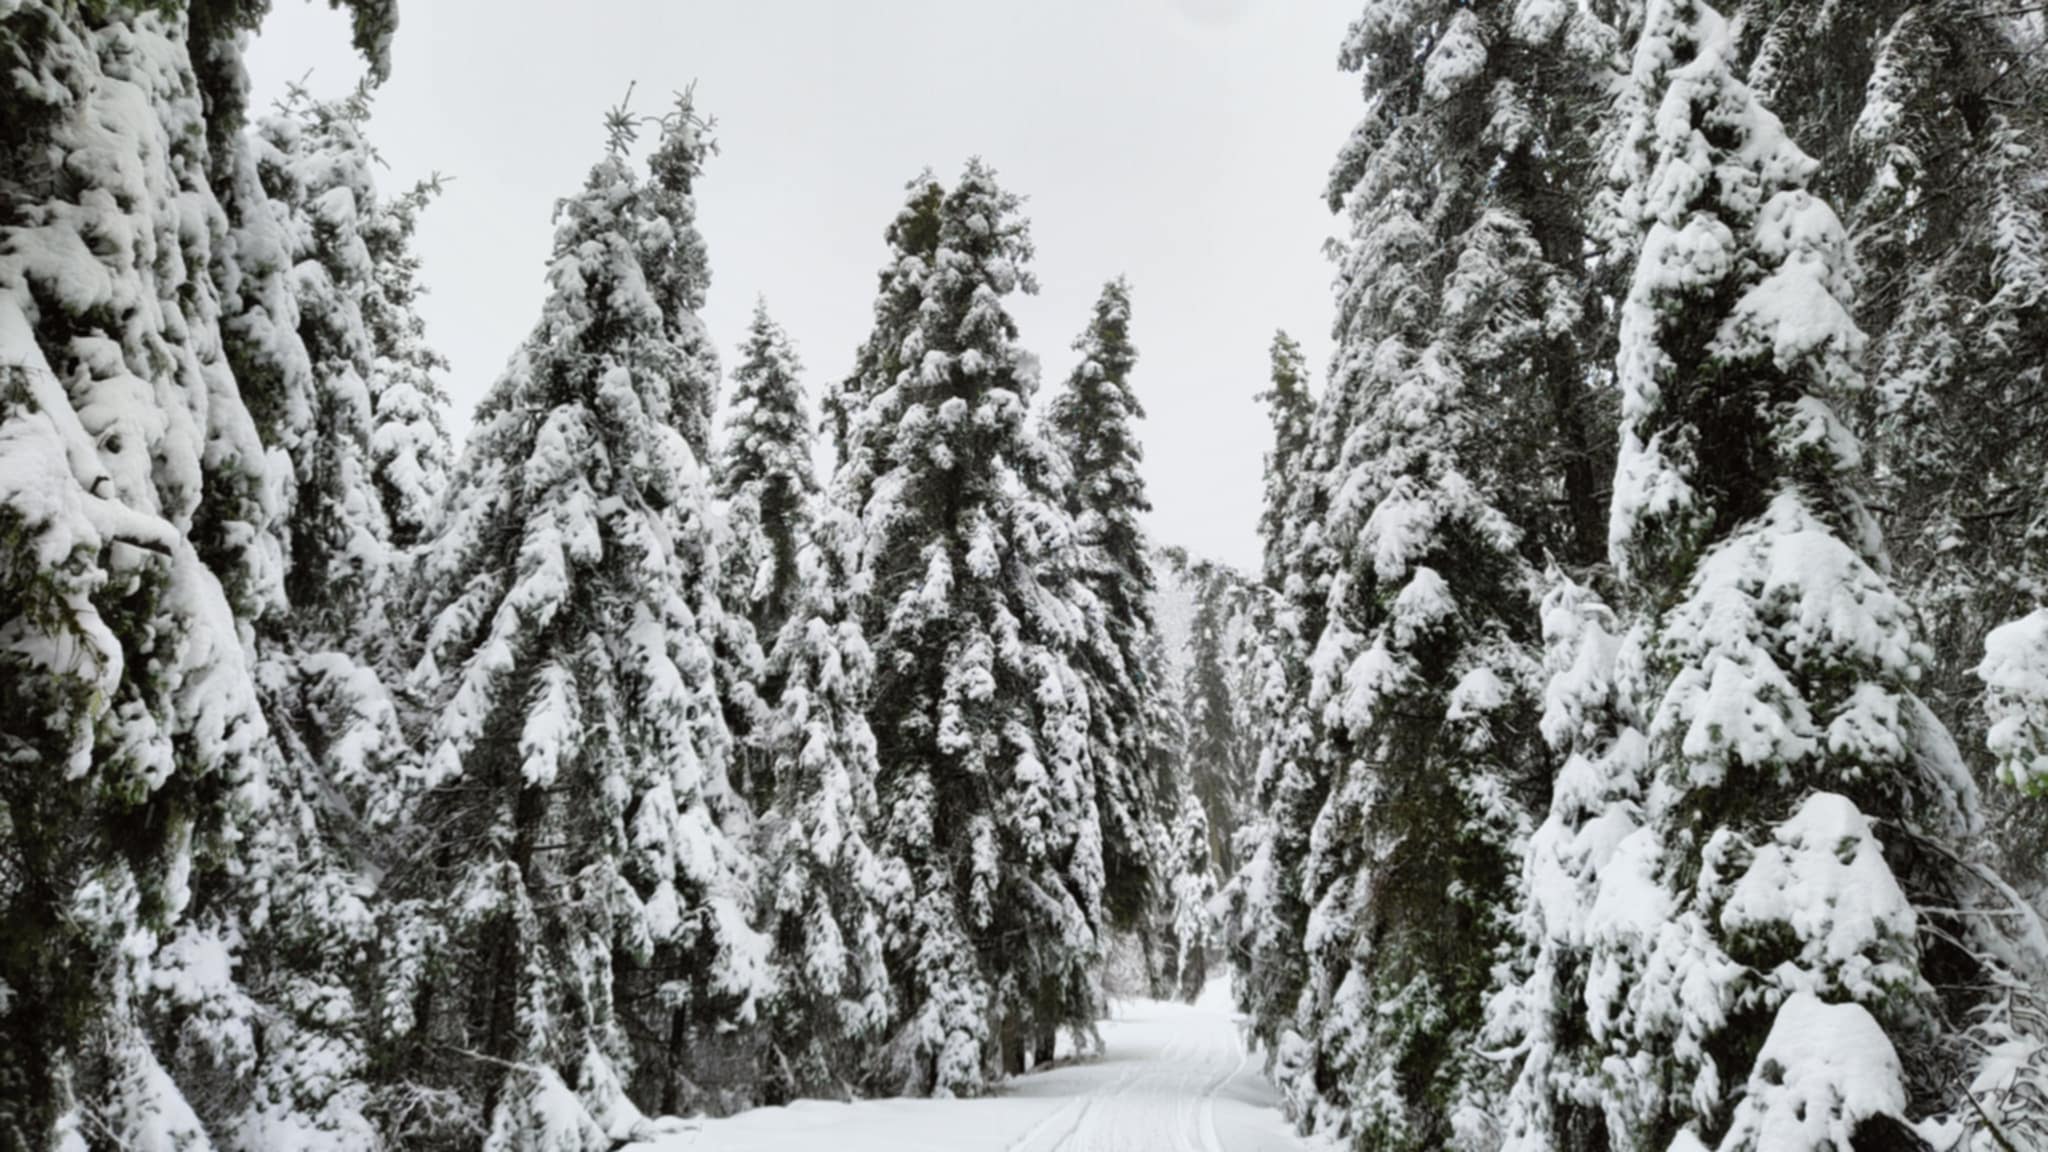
column 1216, row 772
column 1194, row 886
column 1291, row 408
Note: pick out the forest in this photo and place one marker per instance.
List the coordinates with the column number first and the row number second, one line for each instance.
column 1633, row 739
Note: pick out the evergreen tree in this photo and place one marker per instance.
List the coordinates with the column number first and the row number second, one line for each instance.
column 1457, row 448
column 578, row 899
column 1933, row 143
column 1091, row 422
column 2015, row 675
column 409, row 447
column 140, row 509
column 1216, row 773
column 324, row 662
column 765, row 473
column 1749, row 1004
column 827, row 885
column 1194, row 886
column 1291, row 409
column 979, row 715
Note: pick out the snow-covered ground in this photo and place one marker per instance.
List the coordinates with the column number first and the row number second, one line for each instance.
column 1172, row 1078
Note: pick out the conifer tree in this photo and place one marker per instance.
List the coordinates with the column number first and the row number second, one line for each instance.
column 1933, row 143
column 979, row 715
column 1291, row 409
column 1455, row 430
column 1194, row 886
column 827, row 886
column 579, row 900
column 1092, row 422
column 1750, row 1005
column 765, row 473
column 1216, row 774
column 409, row 446
column 141, row 511
column 325, row 661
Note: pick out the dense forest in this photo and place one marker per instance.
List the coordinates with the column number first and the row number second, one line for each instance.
column 1634, row 738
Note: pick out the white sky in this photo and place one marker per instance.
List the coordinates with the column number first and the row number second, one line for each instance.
column 1180, row 142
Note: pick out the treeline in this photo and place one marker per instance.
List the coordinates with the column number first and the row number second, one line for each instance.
column 359, row 794
column 1635, row 589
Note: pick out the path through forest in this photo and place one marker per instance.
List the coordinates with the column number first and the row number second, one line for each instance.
column 1173, row 1078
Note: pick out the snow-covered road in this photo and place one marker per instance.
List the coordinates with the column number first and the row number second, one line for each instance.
column 1173, row 1079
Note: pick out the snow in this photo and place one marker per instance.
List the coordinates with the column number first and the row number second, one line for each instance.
column 1824, row 1069
column 1825, row 876
column 1171, row 1077
column 2015, row 675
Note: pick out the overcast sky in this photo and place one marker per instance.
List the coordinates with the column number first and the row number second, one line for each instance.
column 1180, row 142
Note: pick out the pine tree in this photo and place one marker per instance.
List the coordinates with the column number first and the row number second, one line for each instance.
column 1217, row 775
column 827, row 884
column 409, row 446
column 1557, row 1100
column 1933, row 144
column 140, row 511
column 979, row 715
column 1291, row 409
column 579, row 901
column 1194, row 886
column 765, row 473
column 325, row 663
column 1752, row 1006
column 1091, row 422
column 1455, row 436
column 2015, row 675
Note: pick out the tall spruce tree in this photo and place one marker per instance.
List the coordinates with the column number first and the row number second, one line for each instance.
column 325, row 663
column 1740, row 1000
column 1092, row 423
column 1216, row 773
column 979, row 714
column 1927, row 119
column 1457, row 426
column 138, row 817
column 826, row 884
column 1291, row 408
column 765, row 472
column 579, row 901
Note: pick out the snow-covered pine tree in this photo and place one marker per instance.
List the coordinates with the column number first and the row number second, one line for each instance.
column 1458, row 410
column 579, row 897
column 1933, row 143
column 1743, row 998
column 2015, row 675
column 310, row 219
column 139, row 505
column 1556, row 1101
column 1291, row 408
column 409, row 445
column 765, row 472
column 1092, row 422
column 1216, row 774
column 826, row 885
column 1166, row 774
column 1268, row 913
column 1193, row 886
column 979, row 715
